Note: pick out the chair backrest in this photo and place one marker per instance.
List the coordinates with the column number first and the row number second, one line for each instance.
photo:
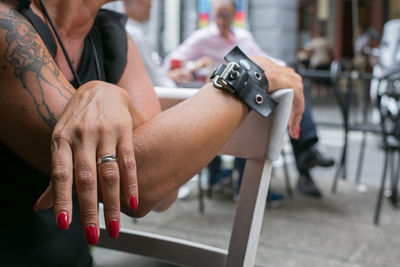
column 388, row 100
column 389, row 48
column 259, row 140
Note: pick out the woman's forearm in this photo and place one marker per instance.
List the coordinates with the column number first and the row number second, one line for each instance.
column 179, row 142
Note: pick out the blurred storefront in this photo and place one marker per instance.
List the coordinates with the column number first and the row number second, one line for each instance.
column 342, row 21
column 273, row 23
column 279, row 26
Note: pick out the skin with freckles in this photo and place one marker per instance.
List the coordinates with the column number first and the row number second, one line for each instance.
column 69, row 129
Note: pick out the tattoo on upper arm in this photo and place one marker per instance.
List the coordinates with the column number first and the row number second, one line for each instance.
column 31, row 61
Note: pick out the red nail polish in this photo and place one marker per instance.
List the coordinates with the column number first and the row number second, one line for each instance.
column 35, row 207
column 298, row 132
column 113, row 228
column 134, row 203
column 63, row 220
column 91, row 234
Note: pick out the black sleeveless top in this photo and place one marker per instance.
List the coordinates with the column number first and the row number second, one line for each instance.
column 30, row 238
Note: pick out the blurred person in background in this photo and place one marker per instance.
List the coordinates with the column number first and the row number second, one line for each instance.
column 209, row 45
column 320, row 51
column 367, row 40
column 138, row 12
column 320, row 55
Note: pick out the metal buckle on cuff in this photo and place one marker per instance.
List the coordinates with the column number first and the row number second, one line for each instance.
column 220, row 80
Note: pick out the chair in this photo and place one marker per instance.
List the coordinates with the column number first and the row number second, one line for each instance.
column 388, row 101
column 259, row 140
column 345, row 76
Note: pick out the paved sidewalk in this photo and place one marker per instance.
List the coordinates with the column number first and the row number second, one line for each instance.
column 334, row 231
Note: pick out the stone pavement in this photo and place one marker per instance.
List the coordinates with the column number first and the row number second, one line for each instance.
column 335, row 231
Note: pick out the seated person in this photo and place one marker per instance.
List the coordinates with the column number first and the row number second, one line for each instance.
column 212, row 43
column 79, row 110
column 138, row 12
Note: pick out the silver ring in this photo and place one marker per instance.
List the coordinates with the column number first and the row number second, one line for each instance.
column 107, row 158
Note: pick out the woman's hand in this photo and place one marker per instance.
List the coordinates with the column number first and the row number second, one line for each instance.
column 96, row 123
column 281, row 78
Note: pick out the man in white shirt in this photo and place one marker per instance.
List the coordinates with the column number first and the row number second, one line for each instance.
column 138, row 12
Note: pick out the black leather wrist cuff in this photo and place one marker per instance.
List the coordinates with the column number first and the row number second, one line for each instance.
column 246, row 80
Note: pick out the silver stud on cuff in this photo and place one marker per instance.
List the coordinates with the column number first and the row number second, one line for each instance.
column 259, row 99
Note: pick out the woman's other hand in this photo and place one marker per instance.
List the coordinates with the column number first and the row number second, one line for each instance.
column 280, row 78
column 96, row 123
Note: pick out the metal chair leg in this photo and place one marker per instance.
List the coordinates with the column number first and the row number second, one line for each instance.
column 382, row 189
column 361, row 158
column 287, row 177
column 341, row 166
column 201, row 193
column 395, row 180
column 339, row 171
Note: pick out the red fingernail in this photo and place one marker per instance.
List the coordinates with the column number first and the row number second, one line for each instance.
column 91, row 234
column 113, row 228
column 35, row 207
column 133, row 202
column 298, row 132
column 63, row 220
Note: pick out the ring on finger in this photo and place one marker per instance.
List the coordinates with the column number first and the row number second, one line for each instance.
column 107, row 158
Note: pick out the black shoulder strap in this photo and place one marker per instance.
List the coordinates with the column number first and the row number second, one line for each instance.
column 40, row 26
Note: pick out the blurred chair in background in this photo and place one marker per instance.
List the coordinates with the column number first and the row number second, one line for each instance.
column 388, row 100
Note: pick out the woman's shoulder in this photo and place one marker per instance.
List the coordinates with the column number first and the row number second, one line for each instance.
column 110, row 16
column 110, row 26
column 7, row 4
column 10, row 8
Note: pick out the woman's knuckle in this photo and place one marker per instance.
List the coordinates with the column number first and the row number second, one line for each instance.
column 131, row 185
column 104, row 127
column 110, row 176
column 81, row 131
column 60, row 174
column 112, row 209
column 85, row 178
column 101, row 129
column 124, row 126
column 60, row 135
column 130, row 162
column 61, row 199
column 89, row 213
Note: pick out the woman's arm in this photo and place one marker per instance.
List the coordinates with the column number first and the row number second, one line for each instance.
column 33, row 96
column 157, row 165
column 174, row 145
column 99, row 116
column 98, row 119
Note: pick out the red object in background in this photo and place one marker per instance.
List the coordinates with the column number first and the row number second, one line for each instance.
column 204, row 19
column 175, row 64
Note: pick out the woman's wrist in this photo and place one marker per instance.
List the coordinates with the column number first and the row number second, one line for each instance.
column 228, row 99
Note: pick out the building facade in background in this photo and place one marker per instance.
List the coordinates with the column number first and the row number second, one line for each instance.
column 272, row 22
column 280, row 27
column 344, row 20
